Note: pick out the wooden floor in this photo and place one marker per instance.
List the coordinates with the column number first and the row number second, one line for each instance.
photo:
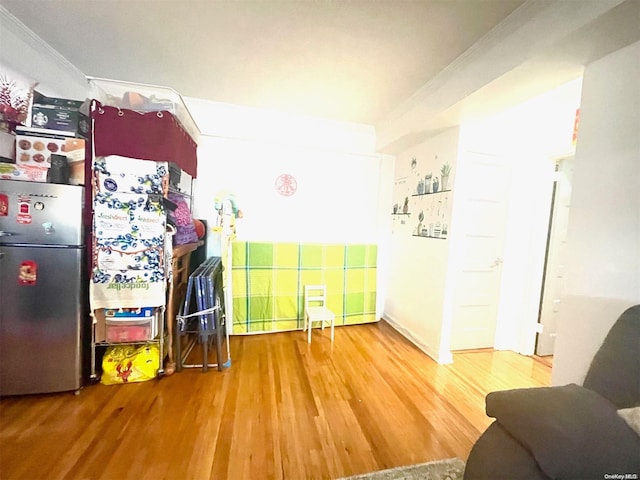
column 284, row 410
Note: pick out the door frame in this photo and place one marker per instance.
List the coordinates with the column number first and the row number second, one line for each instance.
column 556, row 237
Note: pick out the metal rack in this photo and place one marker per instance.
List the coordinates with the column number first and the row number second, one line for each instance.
column 159, row 339
column 207, row 325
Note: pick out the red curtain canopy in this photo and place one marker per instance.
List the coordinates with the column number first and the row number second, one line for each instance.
column 157, row 136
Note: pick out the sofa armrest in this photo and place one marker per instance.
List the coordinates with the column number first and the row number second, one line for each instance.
column 572, row 432
column 497, row 455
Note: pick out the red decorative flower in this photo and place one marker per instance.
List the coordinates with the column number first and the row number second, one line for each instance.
column 14, row 100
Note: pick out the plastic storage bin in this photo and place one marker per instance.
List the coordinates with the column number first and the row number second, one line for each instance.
column 126, row 329
column 143, row 98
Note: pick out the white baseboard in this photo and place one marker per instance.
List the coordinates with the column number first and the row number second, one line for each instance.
column 430, row 351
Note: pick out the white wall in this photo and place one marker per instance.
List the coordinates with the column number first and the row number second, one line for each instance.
column 336, row 198
column 338, row 174
column 418, row 268
column 603, row 259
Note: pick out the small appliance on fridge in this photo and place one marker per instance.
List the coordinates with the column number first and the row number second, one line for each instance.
column 43, row 287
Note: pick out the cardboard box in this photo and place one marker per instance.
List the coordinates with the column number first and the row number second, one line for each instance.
column 11, row 171
column 58, row 115
column 36, row 150
column 122, row 174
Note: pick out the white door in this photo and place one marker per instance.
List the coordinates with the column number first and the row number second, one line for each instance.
column 481, row 200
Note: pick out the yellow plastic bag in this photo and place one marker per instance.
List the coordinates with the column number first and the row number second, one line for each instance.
column 128, row 364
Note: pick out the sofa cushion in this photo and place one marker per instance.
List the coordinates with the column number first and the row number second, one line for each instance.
column 614, row 370
column 572, row 432
column 497, row 455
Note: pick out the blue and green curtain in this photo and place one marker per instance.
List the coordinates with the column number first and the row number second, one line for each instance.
column 268, row 283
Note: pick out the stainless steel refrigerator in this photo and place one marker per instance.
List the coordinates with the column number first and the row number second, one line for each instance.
column 42, row 287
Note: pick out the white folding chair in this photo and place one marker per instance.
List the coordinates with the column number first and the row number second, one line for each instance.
column 315, row 309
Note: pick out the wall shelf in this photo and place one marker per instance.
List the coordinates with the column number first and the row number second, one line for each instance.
column 430, row 193
column 408, row 213
column 429, row 236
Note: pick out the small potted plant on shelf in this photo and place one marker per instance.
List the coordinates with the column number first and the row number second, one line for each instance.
column 444, row 175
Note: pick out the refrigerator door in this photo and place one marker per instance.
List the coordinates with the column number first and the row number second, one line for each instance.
column 40, row 213
column 41, row 317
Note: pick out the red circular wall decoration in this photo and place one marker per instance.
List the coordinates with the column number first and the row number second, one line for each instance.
column 286, row 185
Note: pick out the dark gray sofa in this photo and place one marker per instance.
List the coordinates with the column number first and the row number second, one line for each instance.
column 570, row 431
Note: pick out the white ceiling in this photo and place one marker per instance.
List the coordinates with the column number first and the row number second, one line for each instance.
column 352, row 60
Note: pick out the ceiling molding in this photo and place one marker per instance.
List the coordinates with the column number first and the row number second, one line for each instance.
column 28, row 37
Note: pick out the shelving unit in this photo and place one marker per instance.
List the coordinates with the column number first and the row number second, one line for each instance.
column 99, row 340
column 435, row 222
column 138, row 131
column 429, row 211
column 430, row 193
column 429, row 236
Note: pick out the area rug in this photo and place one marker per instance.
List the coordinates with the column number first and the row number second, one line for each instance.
column 450, row 469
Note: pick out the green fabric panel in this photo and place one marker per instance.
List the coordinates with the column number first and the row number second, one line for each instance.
column 355, row 281
column 238, row 251
column 239, row 281
column 369, row 302
column 260, row 255
column 362, row 318
column 287, row 325
column 311, row 277
column 311, row 256
column 286, row 307
column 334, row 279
column 285, row 282
column 286, row 255
column 335, row 303
column 239, row 328
column 371, row 278
column 371, row 255
column 239, row 307
column 261, row 282
column 356, row 255
column 269, row 278
column 354, row 303
column 334, row 256
column 261, row 307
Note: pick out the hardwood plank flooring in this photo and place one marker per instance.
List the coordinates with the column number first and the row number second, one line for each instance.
column 284, row 410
